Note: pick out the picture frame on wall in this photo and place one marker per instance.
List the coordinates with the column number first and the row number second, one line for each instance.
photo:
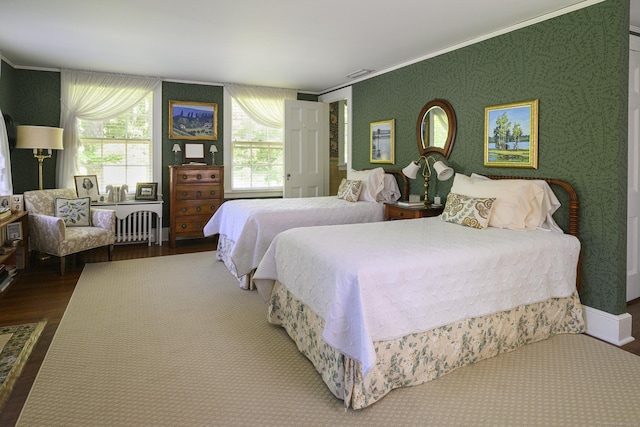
column 87, row 186
column 146, row 191
column 382, row 142
column 193, row 120
column 511, row 135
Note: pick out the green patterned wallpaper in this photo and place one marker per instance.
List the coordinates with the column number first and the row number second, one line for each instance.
column 577, row 66
column 31, row 98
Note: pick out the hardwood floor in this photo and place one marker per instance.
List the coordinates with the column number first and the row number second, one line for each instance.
column 39, row 293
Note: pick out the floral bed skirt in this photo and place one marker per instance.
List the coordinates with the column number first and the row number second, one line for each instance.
column 223, row 253
column 420, row 357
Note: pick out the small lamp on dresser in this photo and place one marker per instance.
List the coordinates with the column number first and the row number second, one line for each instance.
column 213, row 150
column 177, row 156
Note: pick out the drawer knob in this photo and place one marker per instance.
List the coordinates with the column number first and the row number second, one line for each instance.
column 401, row 213
column 198, row 193
column 184, row 176
column 183, row 226
column 213, row 207
column 184, row 210
column 213, row 192
column 198, row 209
column 184, row 193
column 213, row 176
column 199, row 176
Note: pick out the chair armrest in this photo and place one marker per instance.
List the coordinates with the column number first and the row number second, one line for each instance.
column 46, row 233
column 55, row 226
column 104, row 218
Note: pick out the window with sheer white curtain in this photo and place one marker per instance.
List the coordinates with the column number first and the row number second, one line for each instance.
column 254, row 147
column 107, row 120
column 119, row 150
column 6, row 185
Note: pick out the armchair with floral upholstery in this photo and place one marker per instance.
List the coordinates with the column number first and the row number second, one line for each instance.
column 50, row 234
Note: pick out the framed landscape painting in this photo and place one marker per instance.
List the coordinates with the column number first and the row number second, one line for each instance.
column 193, row 120
column 511, row 135
column 382, row 135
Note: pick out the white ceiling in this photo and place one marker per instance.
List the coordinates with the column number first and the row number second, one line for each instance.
column 308, row 45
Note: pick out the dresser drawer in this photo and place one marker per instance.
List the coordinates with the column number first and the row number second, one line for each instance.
column 191, row 225
column 197, row 192
column 195, row 176
column 194, row 207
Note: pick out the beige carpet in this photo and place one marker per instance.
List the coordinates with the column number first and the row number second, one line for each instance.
column 173, row 341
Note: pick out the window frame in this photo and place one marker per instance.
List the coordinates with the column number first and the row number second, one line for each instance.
column 229, row 192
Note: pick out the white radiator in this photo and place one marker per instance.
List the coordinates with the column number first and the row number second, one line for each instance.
column 134, row 228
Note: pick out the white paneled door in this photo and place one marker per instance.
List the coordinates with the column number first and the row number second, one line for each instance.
column 633, row 186
column 306, row 149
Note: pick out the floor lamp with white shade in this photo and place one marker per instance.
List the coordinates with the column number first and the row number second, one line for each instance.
column 39, row 138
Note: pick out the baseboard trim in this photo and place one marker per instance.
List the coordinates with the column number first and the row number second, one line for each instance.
column 615, row 329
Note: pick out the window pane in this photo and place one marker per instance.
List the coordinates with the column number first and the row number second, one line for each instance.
column 257, row 153
column 119, row 150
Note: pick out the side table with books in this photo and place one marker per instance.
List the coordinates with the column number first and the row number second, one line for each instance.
column 14, row 252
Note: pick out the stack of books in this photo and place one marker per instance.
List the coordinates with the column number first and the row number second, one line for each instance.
column 5, row 213
column 6, row 277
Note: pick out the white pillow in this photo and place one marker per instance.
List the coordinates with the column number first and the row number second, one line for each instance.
column 390, row 192
column 373, row 181
column 518, row 203
column 550, row 204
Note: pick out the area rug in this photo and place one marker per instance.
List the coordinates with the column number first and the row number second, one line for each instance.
column 173, row 341
column 16, row 343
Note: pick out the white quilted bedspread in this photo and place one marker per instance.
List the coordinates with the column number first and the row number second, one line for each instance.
column 372, row 282
column 253, row 223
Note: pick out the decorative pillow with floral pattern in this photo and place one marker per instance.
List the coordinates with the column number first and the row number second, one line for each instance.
column 468, row 211
column 74, row 212
column 349, row 190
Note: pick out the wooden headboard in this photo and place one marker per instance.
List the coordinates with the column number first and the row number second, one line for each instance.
column 574, row 209
column 404, row 189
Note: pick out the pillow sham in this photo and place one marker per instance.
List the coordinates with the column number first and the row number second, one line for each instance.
column 390, row 191
column 550, row 204
column 74, row 212
column 349, row 190
column 372, row 183
column 517, row 205
column 468, row 211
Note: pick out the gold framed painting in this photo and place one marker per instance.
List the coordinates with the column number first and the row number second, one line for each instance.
column 511, row 135
column 193, row 120
column 382, row 141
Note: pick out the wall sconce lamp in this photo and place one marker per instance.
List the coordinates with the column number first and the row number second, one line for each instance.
column 443, row 172
column 177, row 157
column 213, row 150
column 39, row 138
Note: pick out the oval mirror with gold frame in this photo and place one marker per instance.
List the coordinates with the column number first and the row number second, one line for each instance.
column 436, row 128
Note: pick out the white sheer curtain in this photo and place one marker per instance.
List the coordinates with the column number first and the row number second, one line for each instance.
column 265, row 105
column 6, row 185
column 92, row 96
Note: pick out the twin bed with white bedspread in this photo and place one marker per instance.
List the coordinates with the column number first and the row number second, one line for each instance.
column 247, row 227
column 384, row 305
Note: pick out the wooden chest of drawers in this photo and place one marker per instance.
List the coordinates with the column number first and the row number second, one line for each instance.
column 195, row 193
